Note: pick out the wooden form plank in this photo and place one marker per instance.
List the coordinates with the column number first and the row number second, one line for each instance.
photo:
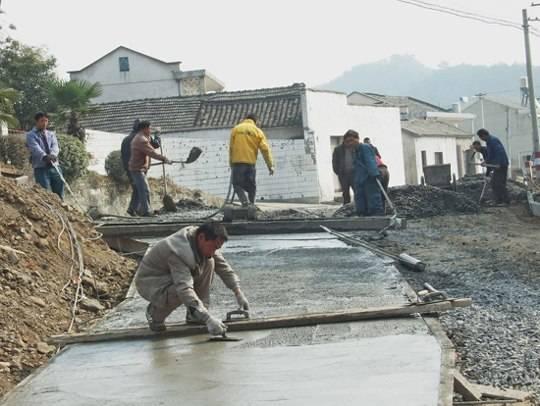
column 503, row 394
column 465, row 388
column 448, row 361
column 310, row 319
column 249, row 227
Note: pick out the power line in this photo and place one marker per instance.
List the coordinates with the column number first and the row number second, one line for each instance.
column 467, row 15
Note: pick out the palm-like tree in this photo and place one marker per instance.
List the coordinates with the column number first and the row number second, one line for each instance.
column 73, row 101
column 7, row 98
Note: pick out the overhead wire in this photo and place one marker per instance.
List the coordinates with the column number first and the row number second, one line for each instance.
column 469, row 15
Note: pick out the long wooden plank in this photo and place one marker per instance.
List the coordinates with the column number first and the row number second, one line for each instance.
column 505, row 394
column 249, row 227
column 309, row 319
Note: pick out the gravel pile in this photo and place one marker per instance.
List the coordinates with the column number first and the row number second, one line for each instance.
column 495, row 262
column 417, row 201
column 471, row 186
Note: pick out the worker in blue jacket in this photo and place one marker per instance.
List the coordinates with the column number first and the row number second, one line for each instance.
column 497, row 160
column 367, row 193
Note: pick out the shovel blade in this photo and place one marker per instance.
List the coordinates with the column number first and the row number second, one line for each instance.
column 194, row 154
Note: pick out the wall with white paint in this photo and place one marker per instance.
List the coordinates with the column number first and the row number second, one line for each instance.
column 147, row 77
column 327, row 114
column 295, row 175
column 99, row 144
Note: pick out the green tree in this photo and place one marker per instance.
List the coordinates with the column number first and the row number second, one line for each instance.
column 73, row 157
column 73, row 101
column 29, row 70
column 7, row 98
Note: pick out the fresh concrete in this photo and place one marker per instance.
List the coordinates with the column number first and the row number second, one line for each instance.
column 375, row 362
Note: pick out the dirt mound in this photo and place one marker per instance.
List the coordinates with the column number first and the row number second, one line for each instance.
column 101, row 195
column 472, row 186
column 417, row 201
column 39, row 276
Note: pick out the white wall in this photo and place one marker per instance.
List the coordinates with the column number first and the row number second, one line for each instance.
column 295, row 177
column 99, row 145
column 147, row 78
column 446, row 145
column 327, row 114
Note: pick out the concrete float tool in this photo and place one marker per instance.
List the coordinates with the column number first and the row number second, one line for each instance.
column 403, row 258
column 231, row 316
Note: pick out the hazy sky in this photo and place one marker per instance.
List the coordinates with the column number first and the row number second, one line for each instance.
column 250, row 44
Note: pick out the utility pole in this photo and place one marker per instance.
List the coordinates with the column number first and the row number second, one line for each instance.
column 532, row 98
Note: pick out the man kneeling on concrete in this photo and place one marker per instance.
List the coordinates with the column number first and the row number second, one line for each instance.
column 179, row 270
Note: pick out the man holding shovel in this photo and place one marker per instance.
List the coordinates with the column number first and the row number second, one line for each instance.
column 139, row 162
column 43, row 147
column 497, row 160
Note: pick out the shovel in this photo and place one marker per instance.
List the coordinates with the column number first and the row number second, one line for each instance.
column 168, row 201
column 194, row 154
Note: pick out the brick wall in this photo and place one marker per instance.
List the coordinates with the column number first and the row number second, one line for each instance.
column 295, row 177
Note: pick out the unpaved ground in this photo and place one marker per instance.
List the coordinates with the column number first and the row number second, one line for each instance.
column 493, row 257
column 39, row 276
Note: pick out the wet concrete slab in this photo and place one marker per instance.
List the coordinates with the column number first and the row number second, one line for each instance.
column 191, row 371
column 291, row 274
column 382, row 362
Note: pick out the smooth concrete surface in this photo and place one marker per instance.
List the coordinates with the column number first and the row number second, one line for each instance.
column 374, row 371
column 382, row 362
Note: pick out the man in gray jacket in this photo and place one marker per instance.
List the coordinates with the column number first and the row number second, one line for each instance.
column 179, row 270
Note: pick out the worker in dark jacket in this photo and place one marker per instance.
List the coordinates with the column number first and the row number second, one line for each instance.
column 498, row 161
column 368, row 197
column 125, row 152
column 343, row 163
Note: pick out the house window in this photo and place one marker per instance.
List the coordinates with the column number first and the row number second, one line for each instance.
column 424, row 158
column 438, row 158
column 123, row 61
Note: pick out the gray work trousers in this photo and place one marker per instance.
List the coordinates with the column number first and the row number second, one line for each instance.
column 140, row 182
column 243, row 180
column 165, row 301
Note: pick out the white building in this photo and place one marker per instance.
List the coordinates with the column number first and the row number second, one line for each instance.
column 125, row 74
column 430, row 134
column 302, row 125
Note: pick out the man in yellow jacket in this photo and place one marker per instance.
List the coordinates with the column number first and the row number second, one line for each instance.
column 246, row 141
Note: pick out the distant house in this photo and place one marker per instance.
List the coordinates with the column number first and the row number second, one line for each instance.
column 126, row 74
column 303, row 125
column 430, row 134
column 507, row 119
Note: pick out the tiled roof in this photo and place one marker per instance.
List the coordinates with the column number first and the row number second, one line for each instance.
column 433, row 128
column 276, row 107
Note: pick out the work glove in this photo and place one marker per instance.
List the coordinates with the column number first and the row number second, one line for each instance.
column 215, row 326
column 167, row 161
column 242, row 301
column 271, row 171
column 50, row 158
